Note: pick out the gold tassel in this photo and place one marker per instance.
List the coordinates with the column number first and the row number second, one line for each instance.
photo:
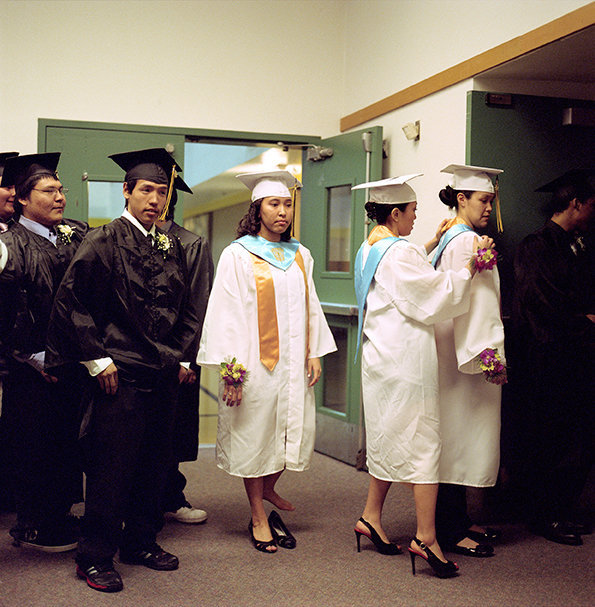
column 499, row 224
column 174, row 174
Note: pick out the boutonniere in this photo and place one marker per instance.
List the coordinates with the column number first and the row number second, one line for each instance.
column 162, row 243
column 64, row 233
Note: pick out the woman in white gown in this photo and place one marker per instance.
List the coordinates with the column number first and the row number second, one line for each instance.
column 469, row 398
column 264, row 312
column 404, row 297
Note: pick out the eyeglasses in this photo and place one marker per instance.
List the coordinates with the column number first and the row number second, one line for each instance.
column 52, row 191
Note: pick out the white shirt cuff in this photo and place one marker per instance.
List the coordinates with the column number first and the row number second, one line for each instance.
column 95, row 367
column 3, row 256
column 185, row 365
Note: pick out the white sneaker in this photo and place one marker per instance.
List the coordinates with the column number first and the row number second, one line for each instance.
column 188, row 514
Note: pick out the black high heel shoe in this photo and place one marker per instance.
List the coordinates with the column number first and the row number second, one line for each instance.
column 281, row 533
column 381, row 546
column 441, row 569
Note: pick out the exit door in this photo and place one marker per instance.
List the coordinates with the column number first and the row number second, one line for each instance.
column 333, row 228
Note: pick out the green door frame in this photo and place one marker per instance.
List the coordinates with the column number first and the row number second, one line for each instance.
column 102, row 169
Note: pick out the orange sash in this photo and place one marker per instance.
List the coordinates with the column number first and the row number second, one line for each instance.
column 268, row 330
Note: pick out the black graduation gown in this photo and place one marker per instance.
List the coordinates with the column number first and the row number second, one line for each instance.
column 551, row 368
column 122, row 298
column 39, row 421
column 200, row 277
column 125, row 299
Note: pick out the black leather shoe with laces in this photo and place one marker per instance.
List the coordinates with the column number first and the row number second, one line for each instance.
column 152, row 556
column 101, row 577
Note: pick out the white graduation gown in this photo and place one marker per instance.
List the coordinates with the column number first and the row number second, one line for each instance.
column 399, row 363
column 469, row 405
column 273, row 428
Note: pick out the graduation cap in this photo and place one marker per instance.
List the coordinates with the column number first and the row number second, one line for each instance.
column 270, row 183
column 153, row 164
column 578, row 178
column 18, row 169
column 468, row 177
column 3, row 157
column 393, row 190
column 477, row 179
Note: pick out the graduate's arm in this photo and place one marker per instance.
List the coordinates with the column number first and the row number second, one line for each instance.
column 79, row 311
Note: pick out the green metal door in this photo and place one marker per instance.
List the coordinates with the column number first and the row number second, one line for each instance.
column 333, row 228
column 84, row 161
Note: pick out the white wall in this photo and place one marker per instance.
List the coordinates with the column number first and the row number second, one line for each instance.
column 293, row 66
column 248, row 65
column 392, row 44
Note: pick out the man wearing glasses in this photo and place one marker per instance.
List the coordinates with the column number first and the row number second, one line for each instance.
column 39, row 410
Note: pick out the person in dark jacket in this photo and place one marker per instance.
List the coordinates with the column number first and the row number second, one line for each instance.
column 553, row 354
column 123, row 311
column 200, row 276
column 40, row 410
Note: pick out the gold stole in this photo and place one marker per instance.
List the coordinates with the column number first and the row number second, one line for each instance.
column 268, row 329
column 378, row 233
column 453, row 222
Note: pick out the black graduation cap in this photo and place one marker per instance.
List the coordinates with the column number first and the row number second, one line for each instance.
column 153, row 164
column 580, row 178
column 20, row 168
column 3, row 157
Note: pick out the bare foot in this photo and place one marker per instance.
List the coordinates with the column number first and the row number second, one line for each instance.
column 278, row 501
column 467, row 542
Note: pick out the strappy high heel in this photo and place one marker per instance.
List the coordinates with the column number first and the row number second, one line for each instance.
column 441, row 569
column 381, row 546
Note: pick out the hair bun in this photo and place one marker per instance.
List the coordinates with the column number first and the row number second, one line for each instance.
column 448, row 197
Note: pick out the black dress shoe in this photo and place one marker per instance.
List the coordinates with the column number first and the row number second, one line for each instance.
column 579, row 528
column 561, row 533
column 101, row 577
column 153, row 557
column 489, row 535
column 479, row 551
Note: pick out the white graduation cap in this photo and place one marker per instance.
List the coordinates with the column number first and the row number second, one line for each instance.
column 269, row 183
column 393, row 190
column 471, row 178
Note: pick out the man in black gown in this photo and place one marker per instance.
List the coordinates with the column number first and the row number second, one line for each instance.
column 39, row 410
column 553, row 365
column 200, row 275
column 6, row 212
column 123, row 311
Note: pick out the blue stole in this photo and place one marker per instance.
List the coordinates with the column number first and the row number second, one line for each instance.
column 279, row 254
column 447, row 237
column 363, row 276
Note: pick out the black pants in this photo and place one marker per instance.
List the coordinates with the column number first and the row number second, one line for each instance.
column 40, row 423
column 452, row 520
column 128, row 448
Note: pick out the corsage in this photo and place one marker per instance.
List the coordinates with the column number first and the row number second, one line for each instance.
column 233, row 373
column 491, row 364
column 485, row 259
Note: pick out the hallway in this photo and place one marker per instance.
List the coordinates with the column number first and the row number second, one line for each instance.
column 219, row 567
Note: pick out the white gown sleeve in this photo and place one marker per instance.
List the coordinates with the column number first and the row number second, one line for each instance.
column 482, row 326
column 417, row 290
column 225, row 332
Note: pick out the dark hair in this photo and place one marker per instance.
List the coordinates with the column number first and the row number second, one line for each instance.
column 448, row 196
column 379, row 212
column 581, row 190
column 23, row 190
column 250, row 222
